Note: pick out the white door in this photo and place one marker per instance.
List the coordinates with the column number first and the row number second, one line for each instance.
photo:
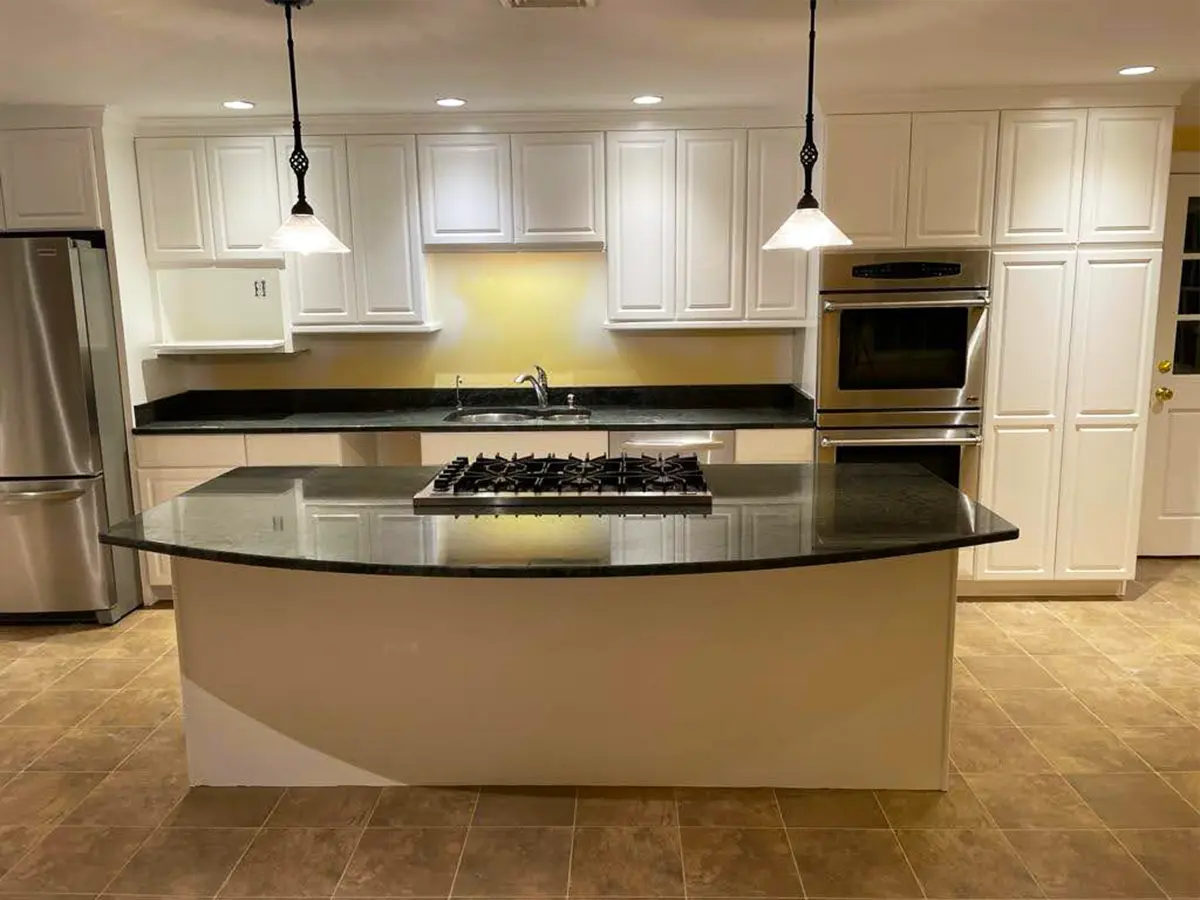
column 157, row 486
column 1125, row 173
column 1040, row 180
column 176, row 214
column 1108, row 399
column 323, row 283
column 1028, row 342
column 641, row 225
column 48, row 177
column 244, row 187
column 710, row 249
column 389, row 266
column 866, row 177
column 466, row 188
column 1171, row 499
column 558, row 188
column 775, row 280
column 952, row 179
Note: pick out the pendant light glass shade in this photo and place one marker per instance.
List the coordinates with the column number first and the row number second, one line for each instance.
column 305, row 234
column 807, row 229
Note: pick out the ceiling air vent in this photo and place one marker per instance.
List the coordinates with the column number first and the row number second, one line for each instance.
column 548, row 4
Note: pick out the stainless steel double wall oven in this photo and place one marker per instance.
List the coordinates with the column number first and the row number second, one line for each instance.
column 903, row 351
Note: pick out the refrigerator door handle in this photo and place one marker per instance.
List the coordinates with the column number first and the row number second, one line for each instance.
column 60, row 496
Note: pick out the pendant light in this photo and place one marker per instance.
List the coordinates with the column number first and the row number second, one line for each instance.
column 808, row 228
column 302, row 232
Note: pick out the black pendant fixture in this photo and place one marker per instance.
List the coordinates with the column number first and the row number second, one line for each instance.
column 808, row 228
column 302, row 232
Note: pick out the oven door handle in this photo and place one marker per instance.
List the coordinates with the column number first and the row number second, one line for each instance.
column 972, row 440
column 929, row 303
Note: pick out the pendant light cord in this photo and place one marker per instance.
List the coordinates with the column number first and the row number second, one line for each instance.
column 808, row 153
column 299, row 159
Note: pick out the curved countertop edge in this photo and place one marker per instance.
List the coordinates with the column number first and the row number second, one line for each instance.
column 346, row 567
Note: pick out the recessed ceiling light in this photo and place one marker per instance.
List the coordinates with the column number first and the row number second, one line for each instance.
column 451, row 102
column 648, row 100
column 238, row 104
column 1136, row 70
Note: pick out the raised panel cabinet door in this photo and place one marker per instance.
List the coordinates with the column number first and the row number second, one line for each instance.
column 952, row 183
column 866, row 177
column 711, row 221
column 466, row 188
column 558, row 188
column 643, row 540
column 1040, row 179
column 776, row 280
column 398, row 536
column 244, row 186
column 773, row 530
column 1126, row 167
column 715, row 537
column 1019, row 479
column 176, row 213
column 389, row 267
column 48, row 178
column 322, row 284
column 641, row 225
column 337, row 532
column 156, row 486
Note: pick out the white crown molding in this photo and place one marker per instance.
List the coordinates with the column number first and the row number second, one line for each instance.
column 29, row 115
column 962, row 99
column 461, row 123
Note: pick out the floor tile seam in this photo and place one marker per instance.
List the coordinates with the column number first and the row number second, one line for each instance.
column 786, row 836
column 1120, row 843
column 466, row 837
column 362, row 833
column 679, row 840
column 1012, row 848
column 140, row 672
column 571, row 849
column 105, row 772
column 908, row 862
column 258, row 831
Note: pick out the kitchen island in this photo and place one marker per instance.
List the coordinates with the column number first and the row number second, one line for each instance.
column 798, row 634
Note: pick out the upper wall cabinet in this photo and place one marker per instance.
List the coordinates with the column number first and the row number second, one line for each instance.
column 207, row 199
column 1125, row 174
column 558, row 188
column 952, row 179
column 866, row 177
column 1040, row 181
column 776, row 280
column 48, row 179
column 466, row 188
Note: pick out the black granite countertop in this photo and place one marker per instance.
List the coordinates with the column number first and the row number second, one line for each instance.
column 361, row 520
column 341, row 410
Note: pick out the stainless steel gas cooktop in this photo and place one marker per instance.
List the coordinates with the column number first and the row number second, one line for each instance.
column 666, row 482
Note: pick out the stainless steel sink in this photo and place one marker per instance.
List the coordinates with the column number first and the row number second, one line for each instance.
column 560, row 414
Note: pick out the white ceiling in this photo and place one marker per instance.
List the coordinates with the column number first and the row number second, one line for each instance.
column 182, row 57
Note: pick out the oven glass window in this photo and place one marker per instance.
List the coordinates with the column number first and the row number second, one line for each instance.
column 902, row 349
column 944, row 462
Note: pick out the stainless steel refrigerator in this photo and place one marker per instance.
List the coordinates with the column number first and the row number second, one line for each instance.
column 64, row 464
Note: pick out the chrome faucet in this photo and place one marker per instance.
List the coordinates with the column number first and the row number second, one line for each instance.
column 541, row 385
column 457, row 392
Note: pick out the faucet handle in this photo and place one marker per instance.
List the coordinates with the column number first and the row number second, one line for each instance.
column 570, row 401
column 541, row 374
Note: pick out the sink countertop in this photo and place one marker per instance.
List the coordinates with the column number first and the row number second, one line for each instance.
column 613, row 409
column 771, row 516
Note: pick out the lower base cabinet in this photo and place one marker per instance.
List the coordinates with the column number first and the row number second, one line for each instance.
column 157, row 486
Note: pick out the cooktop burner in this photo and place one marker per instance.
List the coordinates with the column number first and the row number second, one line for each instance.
column 666, row 481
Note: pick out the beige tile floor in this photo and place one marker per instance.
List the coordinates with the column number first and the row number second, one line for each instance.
column 1076, row 751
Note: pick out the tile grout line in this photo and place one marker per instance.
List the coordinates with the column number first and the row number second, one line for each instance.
column 571, row 851
column 787, row 836
column 466, row 837
column 679, row 838
column 258, row 832
column 358, row 841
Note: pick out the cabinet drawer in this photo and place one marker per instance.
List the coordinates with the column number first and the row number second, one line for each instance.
column 438, row 448
column 164, row 451
column 774, row 445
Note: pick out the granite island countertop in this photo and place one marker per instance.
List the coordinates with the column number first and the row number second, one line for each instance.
column 708, row 407
column 762, row 517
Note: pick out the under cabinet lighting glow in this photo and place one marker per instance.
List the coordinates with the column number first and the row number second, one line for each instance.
column 648, row 100
column 451, row 102
column 1137, row 70
column 238, row 104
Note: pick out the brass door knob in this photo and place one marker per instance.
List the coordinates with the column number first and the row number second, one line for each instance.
column 1163, row 394
column 1164, row 366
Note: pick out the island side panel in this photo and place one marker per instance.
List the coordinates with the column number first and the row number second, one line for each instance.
column 830, row 676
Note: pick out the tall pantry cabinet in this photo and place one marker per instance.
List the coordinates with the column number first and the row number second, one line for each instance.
column 1080, row 203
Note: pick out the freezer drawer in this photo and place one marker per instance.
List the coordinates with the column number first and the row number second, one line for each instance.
column 51, row 559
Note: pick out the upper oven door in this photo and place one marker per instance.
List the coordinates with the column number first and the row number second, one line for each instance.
column 903, row 351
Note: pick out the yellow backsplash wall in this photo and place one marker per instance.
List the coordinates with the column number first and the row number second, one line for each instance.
column 501, row 313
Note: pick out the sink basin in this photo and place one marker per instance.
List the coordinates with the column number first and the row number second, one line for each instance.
column 560, row 414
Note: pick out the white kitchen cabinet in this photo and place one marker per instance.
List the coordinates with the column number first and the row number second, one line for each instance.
column 558, row 188
column 776, row 281
column 773, row 529
column 466, row 188
column 641, row 171
column 1112, row 335
column 323, row 289
column 244, row 191
column 952, row 179
column 1040, row 179
column 714, row 537
column 176, row 211
column 398, row 536
column 337, row 532
column 157, row 486
column 389, row 268
column 1126, row 167
column 643, row 540
column 710, row 248
column 1029, row 342
column 48, row 179
column 866, row 160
